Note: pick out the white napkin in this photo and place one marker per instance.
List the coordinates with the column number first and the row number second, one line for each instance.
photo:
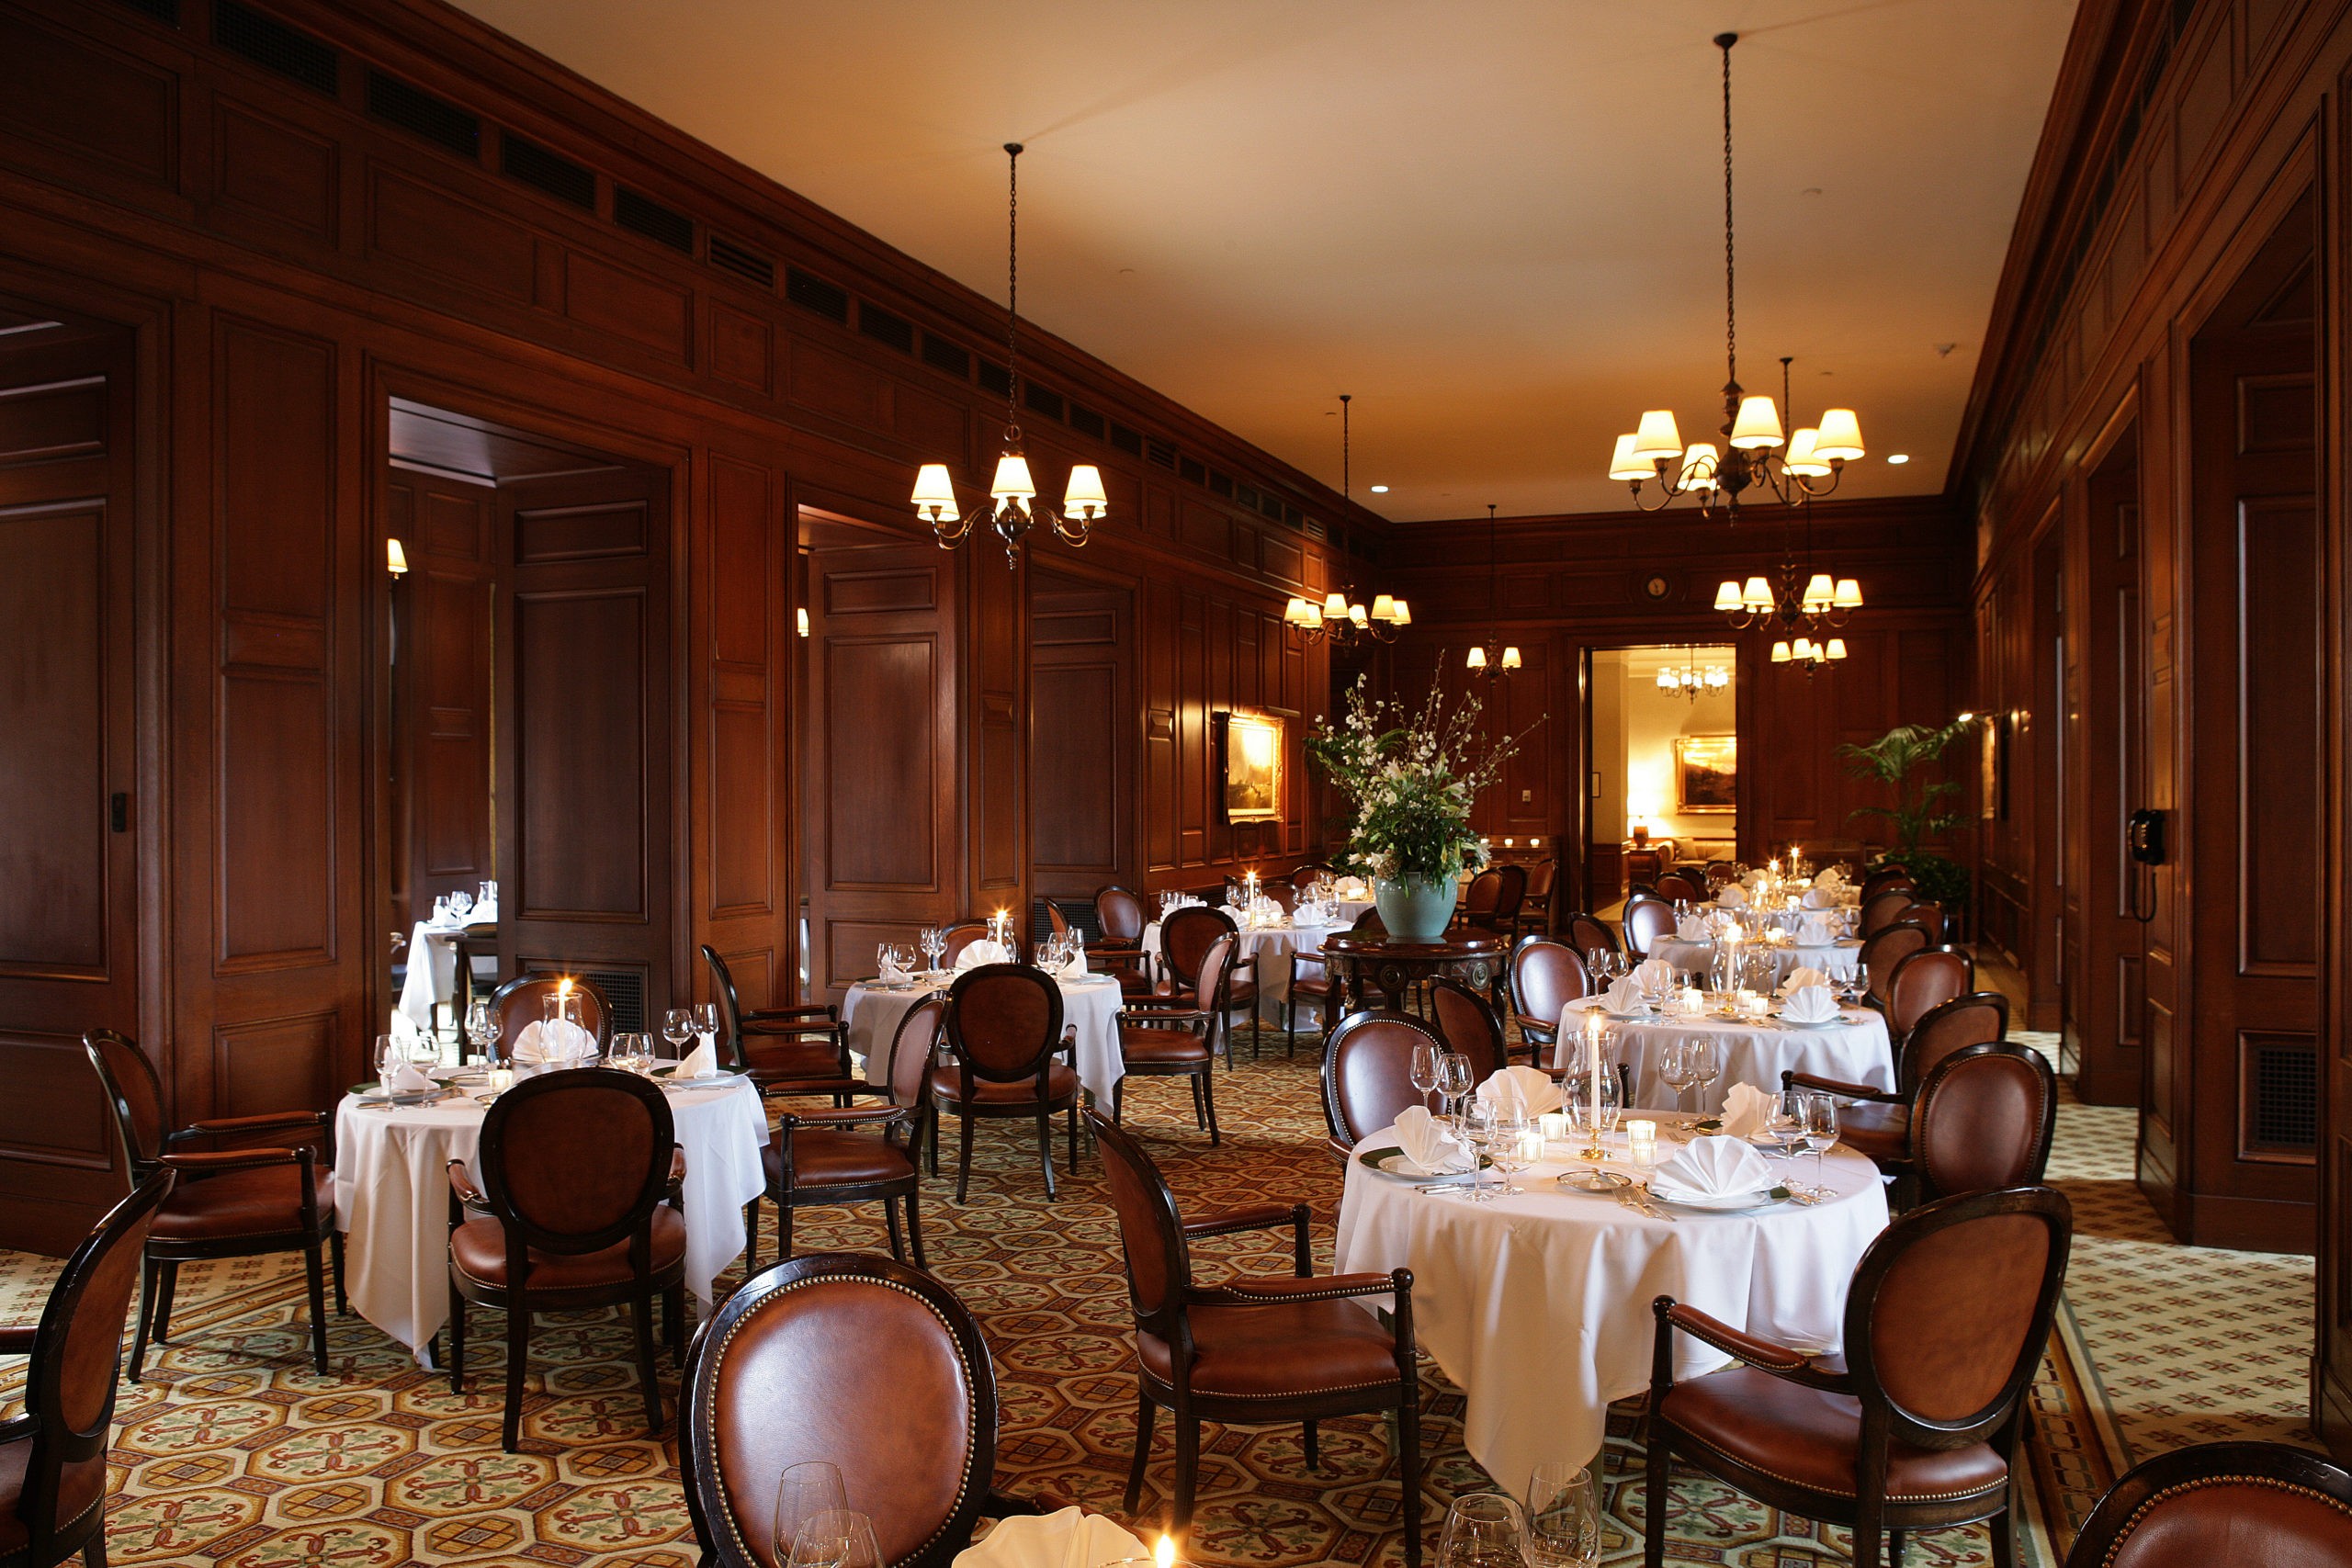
column 406, row 1079
column 1731, row 898
column 1624, row 995
column 979, row 952
column 1706, row 1168
column 1816, row 930
column 1746, row 1108
column 1520, row 1092
column 1070, row 1537
column 1429, row 1147
column 1753, row 879
column 1655, row 969
column 1076, row 968
column 562, row 1040
column 1818, row 898
column 892, row 975
column 1694, row 928
column 403, row 1028
column 1724, row 923
column 702, row 1061
column 1833, row 879
column 1809, row 1004
column 1800, row 978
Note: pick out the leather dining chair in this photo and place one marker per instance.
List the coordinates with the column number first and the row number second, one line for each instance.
column 236, row 1203
column 1305, row 875
column 569, row 1214
column 1881, row 907
column 1184, row 936
column 796, row 1050
column 1482, row 900
column 1310, row 982
column 874, row 1365
column 1648, row 922
column 1253, row 1351
column 2222, row 1502
column 1583, row 933
column 1120, row 951
column 1877, row 1124
column 858, row 1153
column 1680, row 884
column 1945, row 1322
column 1545, row 976
column 1882, row 953
column 1168, row 1039
column 1886, row 874
column 1983, row 1119
column 1003, row 1028
column 1368, row 1074
column 959, row 936
column 522, row 1002
column 1922, row 981
column 1535, row 909
column 1468, row 1025
column 53, row 1454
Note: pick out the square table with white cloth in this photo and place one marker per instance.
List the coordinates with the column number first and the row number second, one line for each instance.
column 1838, row 960
column 1539, row 1305
column 871, row 1009
column 391, row 1195
column 1853, row 1050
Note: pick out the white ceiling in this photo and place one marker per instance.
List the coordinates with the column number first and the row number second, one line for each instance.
column 1498, row 223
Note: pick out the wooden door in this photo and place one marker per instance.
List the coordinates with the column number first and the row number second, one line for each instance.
column 586, row 755
column 69, row 948
column 1082, row 746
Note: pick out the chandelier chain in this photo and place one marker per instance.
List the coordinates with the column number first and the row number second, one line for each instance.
column 1013, row 283
column 1346, row 490
column 1730, row 299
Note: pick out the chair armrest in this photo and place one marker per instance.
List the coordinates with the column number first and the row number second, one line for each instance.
column 824, row 1010
column 461, row 1185
column 1761, row 1354
column 1839, row 1086
column 843, row 1116
column 777, row 1028
column 18, row 1341
column 1258, row 1217
column 1326, row 1288
column 22, row 1429
column 816, row 1086
column 268, row 1122
column 232, row 1160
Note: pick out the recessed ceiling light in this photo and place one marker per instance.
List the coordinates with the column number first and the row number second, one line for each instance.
column 1380, row 490
column 1898, row 456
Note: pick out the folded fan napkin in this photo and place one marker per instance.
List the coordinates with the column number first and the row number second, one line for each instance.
column 1711, row 1167
column 1075, row 969
column 1624, row 995
column 1810, row 1004
column 1533, row 1091
column 1816, row 930
column 1800, row 978
column 1832, row 878
column 1694, row 928
column 702, row 1061
column 893, row 976
column 562, row 1040
column 1745, row 1110
column 1428, row 1146
column 1070, row 1537
column 1731, row 898
column 979, row 952
column 405, row 1079
column 1818, row 898
column 1656, row 970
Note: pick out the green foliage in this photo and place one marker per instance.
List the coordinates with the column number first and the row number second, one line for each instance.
column 1899, row 760
column 1411, row 778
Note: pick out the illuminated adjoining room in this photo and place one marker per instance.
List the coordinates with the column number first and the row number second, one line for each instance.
column 1665, row 760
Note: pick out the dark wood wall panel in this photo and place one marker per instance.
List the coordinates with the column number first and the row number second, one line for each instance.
column 882, row 771
column 581, row 701
column 53, row 600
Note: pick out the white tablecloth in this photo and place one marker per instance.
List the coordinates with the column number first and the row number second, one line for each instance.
column 1281, row 949
column 1090, row 1005
column 432, row 965
column 1836, row 960
column 1855, row 1050
column 1539, row 1305
column 392, row 1196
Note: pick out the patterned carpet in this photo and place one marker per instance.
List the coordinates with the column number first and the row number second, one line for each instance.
column 234, row 1454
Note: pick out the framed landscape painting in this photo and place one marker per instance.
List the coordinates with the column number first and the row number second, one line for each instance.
column 1706, row 774
column 1253, row 768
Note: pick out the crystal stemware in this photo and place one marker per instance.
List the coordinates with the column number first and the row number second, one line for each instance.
column 1562, row 1516
column 805, row 1493
column 1483, row 1529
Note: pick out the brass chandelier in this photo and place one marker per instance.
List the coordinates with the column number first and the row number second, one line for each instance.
column 1338, row 618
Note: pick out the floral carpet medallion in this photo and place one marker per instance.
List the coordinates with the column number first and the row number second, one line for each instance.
column 234, row 1455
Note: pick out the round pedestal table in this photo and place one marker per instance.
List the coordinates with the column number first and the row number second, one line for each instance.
column 1357, row 963
column 1853, row 1050
column 871, row 1011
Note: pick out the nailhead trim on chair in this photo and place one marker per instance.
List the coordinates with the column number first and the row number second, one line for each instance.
column 2124, row 1536
column 1685, row 1439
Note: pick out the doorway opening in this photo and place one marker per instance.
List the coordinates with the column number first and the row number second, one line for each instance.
column 1663, row 750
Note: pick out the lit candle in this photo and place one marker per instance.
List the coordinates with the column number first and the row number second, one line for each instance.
column 1592, row 1068
column 500, row 1080
column 1530, row 1147
column 1165, row 1552
column 1555, row 1127
column 1689, row 1003
column 1641, row 1138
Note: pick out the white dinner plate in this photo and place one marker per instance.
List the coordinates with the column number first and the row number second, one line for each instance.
column 1393, row 1164
column 1825, row 1024
column 1730, row 1204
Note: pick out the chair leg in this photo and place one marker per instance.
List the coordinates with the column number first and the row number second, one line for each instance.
column 519, row 1358
column 2004, row 1528
column 1894, row 1545
column 1145, row 1411
column 914, row 1233
column 642, row 1309
column 963, row 1164
column 1208, row 1098
column 751, row 1238
column 94, row 1551
column 1118, row 1101
column 166, row 1284
column 341, row 1301
column 1408, row 1483
column 932, row 1130
column 890, row 1218
column 314, row 1268
column 1661, row 1471
column 1200, row 1112
column 1313, row 1450
column 148, row 1275
column 1046, row 1146
column 457, row 1341
column 673, row 1318
column 1868, row 1538
column 782, row 1232
column 1073, row 1137
column 1188, row 1472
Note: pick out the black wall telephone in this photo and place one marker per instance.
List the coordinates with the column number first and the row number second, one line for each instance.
column 2144, row 840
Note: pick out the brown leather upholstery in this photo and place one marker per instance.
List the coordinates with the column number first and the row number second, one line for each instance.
column 1304, row 877
column 1061, row 1079
column 1978, row 1017
column 874, row 1366
column 262, row 1200
column 1884, row 951
column 960, row 935
column 915, row 1048
column 1685, row 885
column 1583, row 933
column 1922, row 981
column 521, row 1002
column 1545, row 977
column 1945, row 1321
column 1927, row 917
column 1648, row 921
column 1983, row 1119
column 1166, row 1038
column 479, row 1247
column 1368, row 1073
column 823, row 1158
column 1468, row 1025
column 1254, row 1352
column 1880, row 906
column 53, row 1461
column 1120, row 915
column 2222, row 1502
column 1184, row 939
column 1004, row 1025
column 1879, row 1126
column 777, row 1047
column 1879, row 1132
column 1160, row 1047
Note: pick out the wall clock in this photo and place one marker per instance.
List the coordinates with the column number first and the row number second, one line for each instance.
column 1655, row 587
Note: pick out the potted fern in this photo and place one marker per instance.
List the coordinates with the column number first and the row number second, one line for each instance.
column 1901, row 758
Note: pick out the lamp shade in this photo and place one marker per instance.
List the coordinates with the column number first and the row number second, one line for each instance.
column 1300, row 613
column 1779, row 653
column 1510, row 659
column 1841, row 436
column 1666, row 680
column 1727, row 595
column 1657, row 437
column 1085, row 496
column 1717, row 677
column 1357, row 617
column 1818, row 591
column 1802, row 649
column 1848, row 595
column 395, row 558
column 1013, row 481
column 935, row 492
column 1758, row 424
column 1403, row 615
column 1837, row 648
column 1477, row 660
column 1628, row 464
column 801, row 615
column 1384, row 608
column 1335, row 607
column 1758, row 594
column 1802, row 457
column 1699, row 465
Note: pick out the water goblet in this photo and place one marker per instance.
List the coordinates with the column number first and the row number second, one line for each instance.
column 677, row 1028
column 1455, row 1080
column 460, row 902
column 1784, row 1121
column 1706, row 1056
column 1483, row 1529
column 1477, row 1123
column 1674, row 1067
column 1505, row 1142
column 390, row 1055
column 804, row 1492
column 1425, row 1067
column 1563, row 1518
column 706, row 1017
column 1821, row 1131
column 482, row 1027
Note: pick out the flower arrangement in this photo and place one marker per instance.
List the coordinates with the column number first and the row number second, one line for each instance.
column 1411, row 778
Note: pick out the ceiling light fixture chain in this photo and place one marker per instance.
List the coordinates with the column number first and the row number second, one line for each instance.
column 1493, row 654
column 1013, row 508
column 1731, row 294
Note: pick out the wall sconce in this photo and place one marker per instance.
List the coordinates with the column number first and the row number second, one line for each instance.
column 802, row 614
column 395, row 558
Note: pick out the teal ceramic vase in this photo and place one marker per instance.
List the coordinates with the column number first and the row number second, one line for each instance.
column 1412, row 909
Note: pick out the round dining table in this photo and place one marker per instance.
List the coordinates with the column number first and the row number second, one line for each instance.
column 1538, row 1305
column 1838, row 959
column 1855, row 1049
column 391, row 1195
column 873, row 1008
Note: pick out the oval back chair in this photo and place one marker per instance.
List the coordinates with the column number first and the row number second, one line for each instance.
column 1545, row 976
column 1467, row 1022
column 1482, row 903
column 1120, row 915
column 1583, row 933
column 1004, row 1023
column 522, row 1002
column 1983, row 1119
column 1680, row 884
column 1977, row 1018
column 1648, row 920
column 1882, row 952
column 2216, row 1502
column 775, row 1046
column 1368, row 1073
column 960, row 935
column 1922, row 981
column 1184, row 939
column 1882, row 907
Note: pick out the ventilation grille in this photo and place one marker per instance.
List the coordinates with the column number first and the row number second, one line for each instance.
column 643, row 215
column 164, row 11
column 274, row 46
column 1316, row 530
column 624, row 989
column 2282, row 1097
column 814, row 293
column 1044, row 400
column 1162, row 455
column 549, row 172
column 883, row 327
column 1086, row 422
column 1079, row 912
column 1195, row 470
column 940, row 355
column 996, row 378
column 412, row 108
column 728, row 256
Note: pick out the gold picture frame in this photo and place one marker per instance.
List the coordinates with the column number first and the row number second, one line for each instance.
column 1706, row 774
column 1251, row 780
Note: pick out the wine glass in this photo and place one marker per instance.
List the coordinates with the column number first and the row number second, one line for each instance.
column 1577, row 1099
column 390, row 1055
column 1455, row 1080
column 1821, row 1131
column 1425, row 1067
column 1674, row 1066
column 934, row 944
column 1562, row 1516
column 482, row 1027
column 1705, row 1057
column 677, row 1028
column 706, row 1017
column 1784, row 1121
column 1506, row 1146
column 459, row 902
column 1483, row 1529
column 805, row 1493
column 1477, row 1125
column 424, row 1049
column 838, row 1538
